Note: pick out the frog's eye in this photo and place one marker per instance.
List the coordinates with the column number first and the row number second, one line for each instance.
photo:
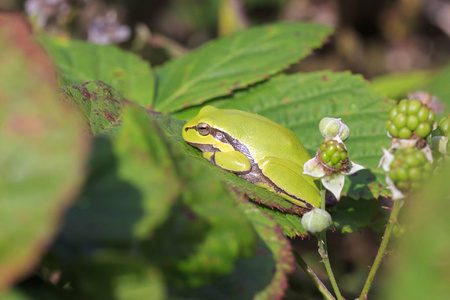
column 203, row 129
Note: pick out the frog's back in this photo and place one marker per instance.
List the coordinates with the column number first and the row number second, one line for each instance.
column 263, row 136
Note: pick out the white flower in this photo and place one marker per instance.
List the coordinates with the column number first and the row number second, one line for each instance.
column 388, row 157
column 332, row 180
column 385, row 163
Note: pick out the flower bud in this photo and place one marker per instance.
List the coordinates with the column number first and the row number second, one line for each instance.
column 331, row 127
column 316, row 221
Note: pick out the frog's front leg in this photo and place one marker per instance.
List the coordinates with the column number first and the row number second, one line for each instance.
column 233, row 161
column 288, row 176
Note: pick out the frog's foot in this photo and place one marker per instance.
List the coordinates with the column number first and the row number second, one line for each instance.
column 233, row 161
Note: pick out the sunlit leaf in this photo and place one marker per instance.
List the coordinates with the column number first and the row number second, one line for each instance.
column 234, row 62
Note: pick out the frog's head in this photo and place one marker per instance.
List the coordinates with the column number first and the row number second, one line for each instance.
column 199, row 131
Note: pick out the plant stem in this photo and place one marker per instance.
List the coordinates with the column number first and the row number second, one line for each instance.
column 382, row 250
column 323, row 192
column 322, row 240
column 322, row 288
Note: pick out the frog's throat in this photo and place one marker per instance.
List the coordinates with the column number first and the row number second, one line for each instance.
column 255, row 175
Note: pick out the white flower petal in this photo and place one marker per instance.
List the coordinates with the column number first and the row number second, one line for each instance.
column 353, row 168
column 396, row 193
column 386, row 160
column 334, row 183
column 388, row 134
column 313, row 168
column 427, row 151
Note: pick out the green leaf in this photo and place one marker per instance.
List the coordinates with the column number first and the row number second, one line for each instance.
column 131, row 188
column 290, row 223
column 34, row 289
column 420, row 269
column 210, row 232
column 398, row 85
column 439, row 86
column 110, row 275
column 100, row 104
column 262, row 276
column 300, row 101
column 103, row 275
column 234, row 62
column 79, row 62
column 42, row 154
column 349, row 214
column 272, row 235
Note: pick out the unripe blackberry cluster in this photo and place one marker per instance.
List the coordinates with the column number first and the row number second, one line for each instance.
column 408, row 168
column 333, row 154
column 410, row 118
column 444, row 126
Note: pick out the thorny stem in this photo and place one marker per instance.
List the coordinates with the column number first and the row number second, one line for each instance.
column 322, row 288
column 323, row 251
column 382, row 250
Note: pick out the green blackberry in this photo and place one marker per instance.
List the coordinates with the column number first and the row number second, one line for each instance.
column 444, row 126
column 408, row 168
column 410, row 118
column 333, row 154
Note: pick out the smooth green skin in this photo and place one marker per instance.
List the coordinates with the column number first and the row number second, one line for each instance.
column 276, row 150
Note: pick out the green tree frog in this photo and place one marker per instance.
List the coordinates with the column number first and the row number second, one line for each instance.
column 256, row 149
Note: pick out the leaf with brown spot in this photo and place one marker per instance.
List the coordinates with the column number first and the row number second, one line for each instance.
column 42, row 154
column 100, row 104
